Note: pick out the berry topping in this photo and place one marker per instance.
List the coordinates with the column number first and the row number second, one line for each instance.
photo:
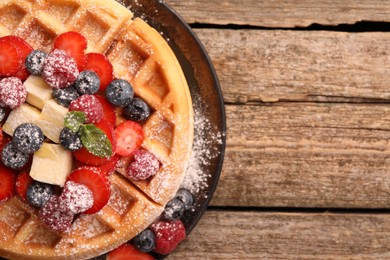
column 144, row 165
column 99, row 63
column 74, row 44
column 95, row 181
column 59, row 69
column 108, row 110
column 24, row 49
column 13, row 158
column 7, row 183
column 119, row 93
column 129, row 137
column 70, row 140
column 12, row 92
column 90, row 106
column 110, row 166
column 145, row 241
column 51, row 215
column 137, row 110
column 34, row 62
column 186, row 197
column 10, row 58
column 23, row 181
column 28, row 138
column 168, row 235
column 87, row 82
column 65, row 96
column 128, row 252
column 75, row 198
column 38, row 193
column 174, row 209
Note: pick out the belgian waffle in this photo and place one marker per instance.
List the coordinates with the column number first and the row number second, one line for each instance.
column 140, row 55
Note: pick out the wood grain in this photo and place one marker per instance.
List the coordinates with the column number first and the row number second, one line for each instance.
column 255, row 235
column 272, row 65
column 306, row 155
column 282, row 13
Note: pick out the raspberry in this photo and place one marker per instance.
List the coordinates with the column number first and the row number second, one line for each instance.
column 90, row 106
column 12, row 92
column 168, row 235
column 144, row 165
column 59, row 70
column 75, row 198
column 53, row 217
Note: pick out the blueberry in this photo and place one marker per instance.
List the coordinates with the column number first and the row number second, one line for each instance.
column 174, row 209
column 12, row 157
column 28, row 138
column 186, row 197
column 70, row 140
column 34, row 62
column 145, row 241
column 87, row 82
column 119, row 93
column 137, row 110
column 65, row 96
column 38, row 193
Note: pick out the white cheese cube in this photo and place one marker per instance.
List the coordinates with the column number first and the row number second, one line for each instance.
column 22, row 114
column 38, row 92
column 51, row 164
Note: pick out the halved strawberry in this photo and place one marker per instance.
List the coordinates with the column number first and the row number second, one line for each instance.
column 10, row 58
column 97, row 182
column 99, row 63
column 129, row 136
column 74, row 44
column 108, row 110
column 126, row 252
column 84, row 156
column 7, row 183
column 24, row 49
column 109, row 167
column 23, row 181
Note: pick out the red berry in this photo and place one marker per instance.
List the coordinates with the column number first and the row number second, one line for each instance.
column 22, row 182
column 59, row 70
column 90, row 106
column 51, row 215
column 99, row 63
column 145, row 164
column 10, row 58
column 168, row 235
column 24, row 49
column 129, row 136
column 108, row 110
column 97, row 182
column 74, row 44
column 84, row 156
column 110, row 166
column 128, row 252
column 75, row 198
column 7, row 183
column 12, row 92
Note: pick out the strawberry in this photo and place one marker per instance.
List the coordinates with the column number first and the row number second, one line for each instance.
column 95, row 181
column 84, row 156
column 22, row 182
column 130, row 136
column 24, row 49
column 128, row 251
column 168, row 235
column 102, row 66
column 74, row 44
column 10, row 58
column 108, row 110
column 7, row 183
column 109, row 167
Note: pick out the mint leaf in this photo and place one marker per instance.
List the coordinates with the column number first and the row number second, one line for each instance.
column 74, row 120
column 95, row 141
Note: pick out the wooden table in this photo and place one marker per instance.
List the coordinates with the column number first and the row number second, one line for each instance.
column 307, row 166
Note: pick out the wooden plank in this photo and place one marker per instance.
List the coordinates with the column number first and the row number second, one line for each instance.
column 254, row 235
column 263, row 65
column 282, row 13
column 306, row 155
